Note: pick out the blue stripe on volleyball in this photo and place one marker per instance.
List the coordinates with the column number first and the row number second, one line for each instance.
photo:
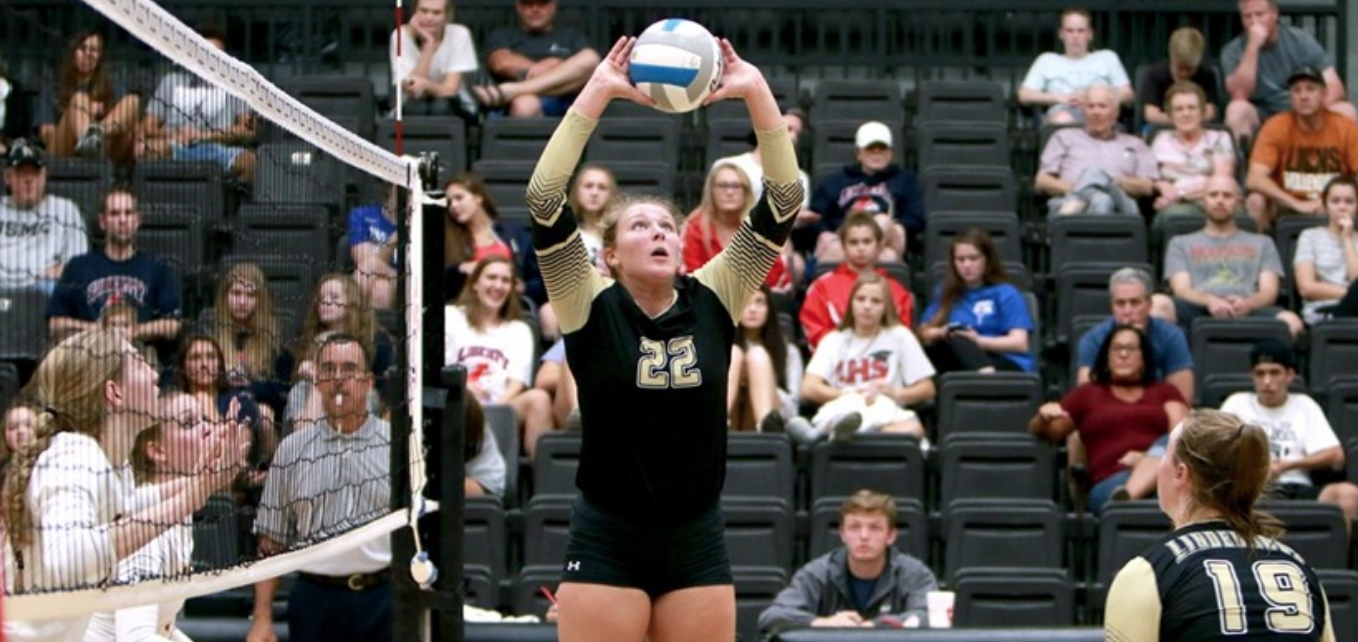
column 672, row 24
column 641, row 72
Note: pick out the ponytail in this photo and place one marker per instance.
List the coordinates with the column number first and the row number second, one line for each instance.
column 1230, row 464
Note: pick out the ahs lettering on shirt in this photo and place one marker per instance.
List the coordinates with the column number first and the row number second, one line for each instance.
column 864, row 369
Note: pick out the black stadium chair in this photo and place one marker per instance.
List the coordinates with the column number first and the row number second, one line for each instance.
column 621, row 142
column 1003, row 228
column 962, row 143
column 995, row 466
column 23, row 325
column 297, row 172
column 756, row 588
column 344, row 99
column 528, row 598
column 971, row 189
column 1126, row 529
column 443, row 135
column 1315, row 530
column 555, row 462
column 912, row 527
column 891, row 464
column 1334, row 353
column 978, row 101
column 759, row 465
column 284, row 228
column 1341, row 591
column 176, row 233
column 547, row 521
column 195, row 184
column 10, row 383
column 857, row 100
column 1342, row 409
column 1222, row 346
column 726, row 137
column 1106, row 239
column 999, row 598
column 1082, row 290
column 484, row 550
column 1009, row 533
column 987, row 402
column 760, row 533
column 84, row 182
column 516, row 139
column 500, row 420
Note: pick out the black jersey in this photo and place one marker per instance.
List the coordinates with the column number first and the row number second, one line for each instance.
column 653, row 390
column 1202, row 583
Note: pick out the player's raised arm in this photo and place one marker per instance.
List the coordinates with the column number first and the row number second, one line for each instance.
column 571, row 280
column 739, row 269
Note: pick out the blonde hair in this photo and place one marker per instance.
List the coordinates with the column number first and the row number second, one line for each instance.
column 510, row 310
column 69, row 387
column 262, row 334
column 359, row 319
column 1229, row 465
column 580, row 212
column 1185, row 47
column 889, row 319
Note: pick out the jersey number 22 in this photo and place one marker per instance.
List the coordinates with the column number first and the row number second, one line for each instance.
column 668, row 365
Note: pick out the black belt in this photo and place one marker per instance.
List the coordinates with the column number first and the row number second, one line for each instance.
column 353, row 581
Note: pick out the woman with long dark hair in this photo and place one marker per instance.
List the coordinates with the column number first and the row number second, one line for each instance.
column 93, row 114
column 1221, row 574
column 766, row 370
column 977, row 319
column 1120, row 414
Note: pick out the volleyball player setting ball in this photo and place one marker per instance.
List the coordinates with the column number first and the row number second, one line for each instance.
column 1222, row 574
column 646, row 555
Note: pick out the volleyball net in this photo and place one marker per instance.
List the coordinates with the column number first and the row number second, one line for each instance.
column 281, row 223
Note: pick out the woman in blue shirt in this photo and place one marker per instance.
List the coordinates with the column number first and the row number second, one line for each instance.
column 977, row 320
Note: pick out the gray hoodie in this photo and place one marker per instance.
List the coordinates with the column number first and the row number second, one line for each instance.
column 821, row 588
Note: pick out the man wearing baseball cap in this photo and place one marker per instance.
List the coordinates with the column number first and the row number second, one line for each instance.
column 873, row 175
column 39, row 233
column 1298, row 151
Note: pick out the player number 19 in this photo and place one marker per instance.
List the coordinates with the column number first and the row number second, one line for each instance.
column 1281, row 584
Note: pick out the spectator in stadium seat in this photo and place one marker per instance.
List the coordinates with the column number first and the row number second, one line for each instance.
column 435, row 53
column 245, row 325
column 1260, row 62
column 592, row 191
column 1297, row 153
column 977, row 320
column 39, row 233
column 65, row 494
column 308, row 497
column 192, row 120
column 1119, row 414
column 475, row 231
column 1186, row 46
column 766, row 369
column 1222, row 271
column 728, row 197
column 118, row 273
column 92, row 113
column 15, row 120
column 372, row 246
column 1325, row 262
column 483, row 463
column 555, row 378
column 1187, row 155
column 866, row 373
column 752, row 163
column 19, row 419
column 199, row 369
column 828, row 297
column 1057, row 81
column 872, row 175
column 1129, row 293
column 484, row 333
column 1301, row 438
column 867, row 582
column 538, row 66
column 337, row 306
column 167, row 451
column 1095, row 169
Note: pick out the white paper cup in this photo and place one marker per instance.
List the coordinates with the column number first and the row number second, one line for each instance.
column 940, row 608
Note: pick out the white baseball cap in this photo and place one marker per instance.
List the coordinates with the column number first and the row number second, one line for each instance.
column 871, row 133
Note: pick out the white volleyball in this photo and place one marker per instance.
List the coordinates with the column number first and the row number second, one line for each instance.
column 678, row 63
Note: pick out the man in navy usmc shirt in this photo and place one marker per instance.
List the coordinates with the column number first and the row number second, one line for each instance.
column 119, row 272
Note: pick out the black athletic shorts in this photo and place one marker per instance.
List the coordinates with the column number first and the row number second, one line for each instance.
column 607, row 549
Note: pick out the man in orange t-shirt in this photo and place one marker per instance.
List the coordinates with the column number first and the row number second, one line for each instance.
column 1298, row 152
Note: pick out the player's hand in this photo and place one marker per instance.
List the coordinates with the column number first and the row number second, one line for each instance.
column 739, row 79
column 261, row 631
column 610, row 77
column 840, row 619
